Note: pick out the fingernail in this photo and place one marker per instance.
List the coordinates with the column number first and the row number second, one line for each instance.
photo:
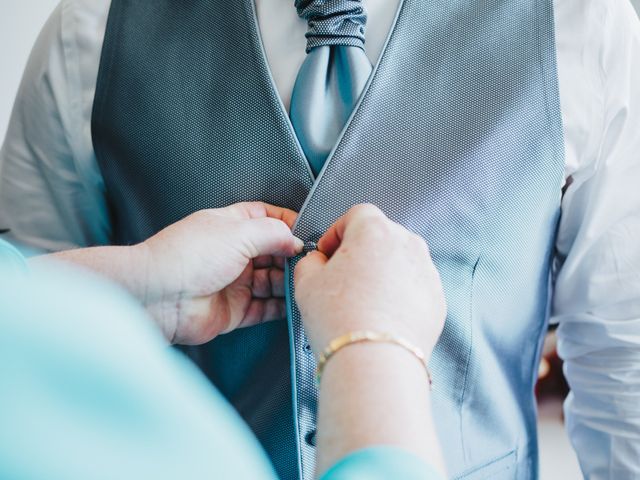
column 299, row 244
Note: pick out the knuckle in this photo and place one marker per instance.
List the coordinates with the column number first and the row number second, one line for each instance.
column 272, row 224
column 377, row 231
column 204, row 217
column 367, row 209
column 255, row 205
column 419, row 243
column 382, row 225
column 251, row 209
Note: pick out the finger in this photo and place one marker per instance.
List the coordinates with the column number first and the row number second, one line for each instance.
column 287, row 216
column 261, row 284
column 267, row 283
column 263, row 261
column 276, row 279
column 333, row 237
column 259, row 210
column 269, row 236
column 308, row 267
column 263, row 310
column 266, row 261
column 279, row 262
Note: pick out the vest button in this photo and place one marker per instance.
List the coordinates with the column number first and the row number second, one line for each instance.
column 310, row 438
column 309, row 247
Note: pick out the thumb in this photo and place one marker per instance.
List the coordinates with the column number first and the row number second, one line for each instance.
column 308, row 267
column 270, row 236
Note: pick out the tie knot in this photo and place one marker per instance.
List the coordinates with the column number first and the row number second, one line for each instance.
column 333, row 22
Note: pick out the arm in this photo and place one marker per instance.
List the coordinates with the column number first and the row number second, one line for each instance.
column 373, row 394
column 51, row 191
column 373, row 421
column 88, row 389
column 210, row 273
column 597, row 289
column 87, row 356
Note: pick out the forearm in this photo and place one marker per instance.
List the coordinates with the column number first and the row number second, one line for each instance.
column 128, row 266
column 372, row 395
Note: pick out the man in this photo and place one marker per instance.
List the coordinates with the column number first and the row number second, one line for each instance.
column 449, row 119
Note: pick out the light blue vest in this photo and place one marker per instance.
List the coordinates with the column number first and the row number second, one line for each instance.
column 458, row 137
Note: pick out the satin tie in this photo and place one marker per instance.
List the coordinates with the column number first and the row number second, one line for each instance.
column 332, row 77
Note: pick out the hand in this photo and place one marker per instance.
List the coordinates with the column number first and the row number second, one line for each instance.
column 218, row 270
column 370, row 273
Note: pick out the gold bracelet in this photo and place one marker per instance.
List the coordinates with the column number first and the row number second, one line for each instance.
column 350, row 338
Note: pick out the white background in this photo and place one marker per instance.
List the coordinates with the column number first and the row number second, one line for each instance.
column 20, row 22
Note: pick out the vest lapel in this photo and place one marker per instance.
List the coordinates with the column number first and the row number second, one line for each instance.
column 273, row 90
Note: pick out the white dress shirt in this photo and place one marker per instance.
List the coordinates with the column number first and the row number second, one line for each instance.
column 52, row 195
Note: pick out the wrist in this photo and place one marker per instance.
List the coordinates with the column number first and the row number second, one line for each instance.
column 151, row 290
column 351, row 339
column 377, row 362
column 374, row 394
column 141, row 275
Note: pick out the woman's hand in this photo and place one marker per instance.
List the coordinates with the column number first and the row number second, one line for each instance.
column 370, row 273
column 210, row 273
column 218, row 270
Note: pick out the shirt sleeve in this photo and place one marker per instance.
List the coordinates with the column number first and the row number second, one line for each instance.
column 381, row 463
column 51, row 192
column 597, row 286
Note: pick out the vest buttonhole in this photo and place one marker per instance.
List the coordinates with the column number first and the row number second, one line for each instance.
column 310, row 438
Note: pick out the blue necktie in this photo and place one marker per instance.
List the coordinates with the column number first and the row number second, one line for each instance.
column 332, row 77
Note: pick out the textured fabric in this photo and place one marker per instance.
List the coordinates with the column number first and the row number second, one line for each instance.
column 467, row 152
column 457, row 136
column 187, row 138
column 52, row 193
column 89, row 388
column 333, row 22
column 332, row 76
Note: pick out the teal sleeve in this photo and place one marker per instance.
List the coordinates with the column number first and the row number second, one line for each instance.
column 89, row 389
column 11, row 260
column 381, row 463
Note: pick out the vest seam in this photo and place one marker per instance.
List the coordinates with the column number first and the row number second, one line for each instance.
column 103, row 83
column 468, row 360
column 282, row 111
column 292, row 367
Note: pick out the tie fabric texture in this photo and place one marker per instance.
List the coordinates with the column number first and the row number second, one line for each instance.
column 332, row 77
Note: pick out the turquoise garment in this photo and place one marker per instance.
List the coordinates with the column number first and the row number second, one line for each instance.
column 11, row 260
column 88, row 389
